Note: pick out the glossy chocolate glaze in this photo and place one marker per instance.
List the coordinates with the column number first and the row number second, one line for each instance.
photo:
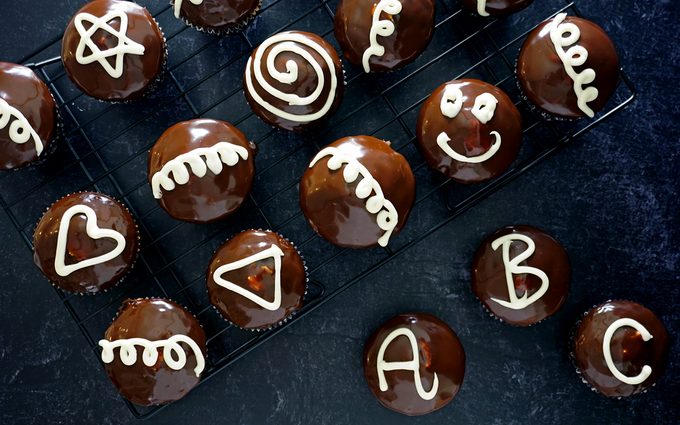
column 258, row 278
column 331, row 205
column 211, row 197
column 414, row 26
column 23, row 90
column 218, row 15
column 489, row 281
column 544, row 80
column 469, row 136
column 139, row 71
column 79, row 246
column 303, row 86
column 153, row 319
column 439, row 351
column 498, row 7
column 630, row 353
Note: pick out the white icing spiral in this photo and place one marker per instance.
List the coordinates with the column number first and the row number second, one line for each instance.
column 383, row 28
column 20, row 131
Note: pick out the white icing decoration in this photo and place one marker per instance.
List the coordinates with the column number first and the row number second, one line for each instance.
column 178, row 5
column 290, row 42
column 273, row 252
column 443, row 142
column 173, row 353
column 412, row 365
column 484, row 107
column 574, row 56
column 606, row 350
column 125, row 45
column 481, row 8
column 93, row 231
column 176, row 171
column 20, row 131
column 376, row 204
column 383, row 28
column 452, row 101
column 512, row 267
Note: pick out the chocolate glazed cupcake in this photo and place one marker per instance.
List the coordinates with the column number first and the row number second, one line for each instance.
column 113, row 50
column 154, row 351
column 495, row 7
column 357, row 192
column 294, row 80
column 201, row 170
column 218, row 17
column 85, row 243
column 28, row 117
column 383, row 35
column 620, row 348
column 568, row 67
column 414, row 364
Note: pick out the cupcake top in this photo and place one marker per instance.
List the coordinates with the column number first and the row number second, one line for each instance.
column 620, row 348
column 28, row 116
column 154, row 351
column 568, row 67
column 495, row 7
column 215, row 16
column 383, row 35
column 257, row 279
column 294, row 79
column 414, row 364
column 85, row 242
column 201, row 170
column 469, row 130
column 521, row 275
column 357, row 192
column 113, row 50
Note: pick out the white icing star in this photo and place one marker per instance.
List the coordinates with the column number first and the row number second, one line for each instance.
column 125, row 44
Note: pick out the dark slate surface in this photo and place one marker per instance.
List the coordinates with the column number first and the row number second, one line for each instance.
column 611, row 199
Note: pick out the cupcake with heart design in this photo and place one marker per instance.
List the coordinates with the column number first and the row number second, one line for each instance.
column 85, row 243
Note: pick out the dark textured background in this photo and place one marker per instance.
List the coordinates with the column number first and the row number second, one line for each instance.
column 611, row 198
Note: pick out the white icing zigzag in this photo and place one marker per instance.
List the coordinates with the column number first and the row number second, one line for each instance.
column 606, row 350
column 93, row 231
column 175, row 171
column 20, row 131
column 173, row 353
column 178, row 5
column 574, row 56
column 125, row 44
column 376, row 204
column 290, row 42
column 383, row 28
column 481, row 8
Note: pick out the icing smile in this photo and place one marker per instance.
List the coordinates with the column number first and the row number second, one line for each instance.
column 443, row 141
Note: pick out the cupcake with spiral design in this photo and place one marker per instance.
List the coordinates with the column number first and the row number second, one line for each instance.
column 294, row 80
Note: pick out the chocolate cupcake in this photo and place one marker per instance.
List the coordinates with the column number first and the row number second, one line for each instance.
column 495, row 7
column 216, row 16
column 257, row 280
column 357, row 192
column 620, row 348
column 414, row 364
column 383, row 35
column 85, row 243
column 28, row 117
column 469, row 130
column 154, row 351
column 294, row 80
column 201, row 170
column 521, row 275
column 113, row 50
column 568, row 67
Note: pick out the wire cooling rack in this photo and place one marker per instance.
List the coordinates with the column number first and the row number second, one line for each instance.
column 104, row 148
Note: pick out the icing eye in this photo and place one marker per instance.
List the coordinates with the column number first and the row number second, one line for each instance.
column 452, row 101
column 484, row 108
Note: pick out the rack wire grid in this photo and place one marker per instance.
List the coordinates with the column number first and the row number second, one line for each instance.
column 104, row 148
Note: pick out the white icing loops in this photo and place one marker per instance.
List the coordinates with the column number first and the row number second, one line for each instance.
column 173, row 353
column 178, row 5
column 484, row 107
column 443, row 142
column 93, row 231
column 176, row 171
column 383, row 28
column 20, row 131
column 387, row 216
column 563, row 34
column 125, row 45
column 452, row 101
column 412, row 365
column 512, row 267
column 291, row 42
column 272, row 252
column 481, row 8
column 606, row 350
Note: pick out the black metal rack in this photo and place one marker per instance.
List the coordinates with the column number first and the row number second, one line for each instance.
column 104, row 148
